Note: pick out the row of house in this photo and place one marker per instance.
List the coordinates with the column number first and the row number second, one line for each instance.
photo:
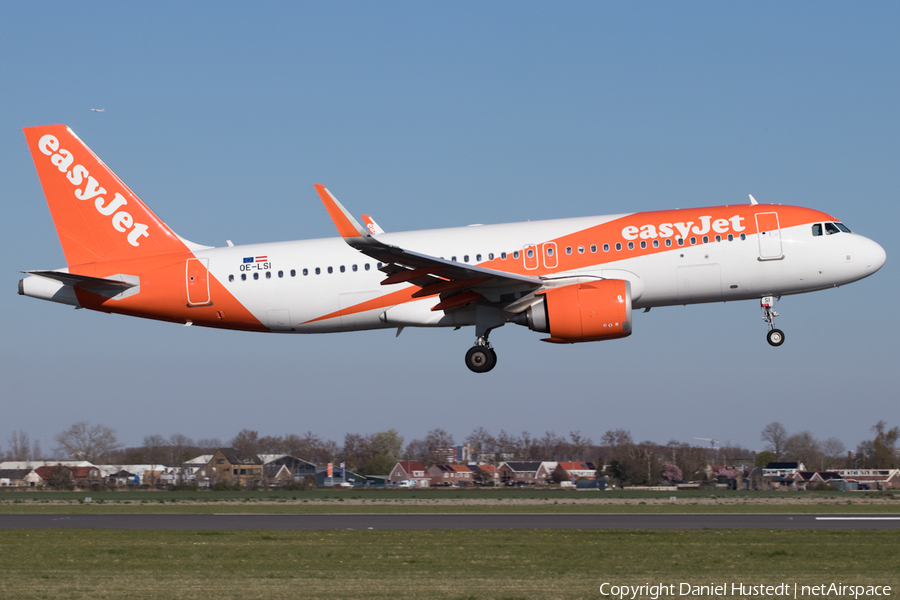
column 508, row 473
column 794, row 475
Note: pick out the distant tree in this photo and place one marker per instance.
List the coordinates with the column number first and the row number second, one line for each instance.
column 246, row 443
column 181, row 448
column 834, row 452
column 380, row 464
column 387, row 443
column 804, row 448
column 482, row 442
column 775, row 435
column 155, row 450
column 19, row 446
column 671, row 473
column 419, row 450
column 552, row 447
column 84, row 441
column 438, row 438
column 209, row 445
column 506, row 445
column 356, row 450
column 763, row 458
column 36, row 452
column 884, row 455
column 271, row 444
column 60, row 478
column 578, row 446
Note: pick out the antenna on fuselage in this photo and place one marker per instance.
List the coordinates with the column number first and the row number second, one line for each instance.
column 752, row 199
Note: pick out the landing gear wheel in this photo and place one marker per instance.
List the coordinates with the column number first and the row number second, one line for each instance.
column 481, row 359
column 775, row 337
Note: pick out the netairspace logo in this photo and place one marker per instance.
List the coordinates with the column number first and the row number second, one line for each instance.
column 783, row 590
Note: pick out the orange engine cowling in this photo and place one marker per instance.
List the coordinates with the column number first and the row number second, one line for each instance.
column 583, row 312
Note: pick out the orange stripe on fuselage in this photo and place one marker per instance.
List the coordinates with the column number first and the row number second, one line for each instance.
column 163, row 294
column 612, row 233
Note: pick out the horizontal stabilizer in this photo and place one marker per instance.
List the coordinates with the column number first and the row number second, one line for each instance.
column 91, row 284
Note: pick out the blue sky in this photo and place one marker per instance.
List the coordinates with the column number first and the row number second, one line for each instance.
column 221, row 117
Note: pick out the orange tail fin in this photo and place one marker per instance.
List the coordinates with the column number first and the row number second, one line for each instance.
column 96, row 216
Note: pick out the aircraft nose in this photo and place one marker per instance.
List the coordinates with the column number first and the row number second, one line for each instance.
column 875, row 256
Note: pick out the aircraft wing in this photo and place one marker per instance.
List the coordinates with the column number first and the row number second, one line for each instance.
column 458, row 284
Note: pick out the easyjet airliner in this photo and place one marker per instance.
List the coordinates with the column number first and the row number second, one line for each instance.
column 576, row 279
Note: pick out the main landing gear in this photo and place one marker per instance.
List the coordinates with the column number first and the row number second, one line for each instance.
column 775, row 337
column 481, row 358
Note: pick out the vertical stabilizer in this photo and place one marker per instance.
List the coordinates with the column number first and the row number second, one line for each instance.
column 96, row 216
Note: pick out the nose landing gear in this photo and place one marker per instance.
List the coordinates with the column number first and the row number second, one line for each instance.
column 775, row 337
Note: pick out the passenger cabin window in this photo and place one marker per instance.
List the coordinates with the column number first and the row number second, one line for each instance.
column 606, row 247
column 243, row 277
column 343, row 269
column 477, row 258
column 503, row 256
column 568, row 249
column 668, row 242
column 516, row 254
column 318, row 271
column 643, row 244
column 618, row 245
column 280, row 274
column 330, row 270
column 256, row 276
column 593, row 248
column 268, row 274
column 367, row 266
column 490, row 256
column 354, row 268
column 580, row 249
column 231, row 278
column 656, row 243
column 549, row 251
column 631, row 245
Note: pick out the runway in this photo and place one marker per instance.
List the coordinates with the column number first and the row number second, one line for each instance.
column 453, row 521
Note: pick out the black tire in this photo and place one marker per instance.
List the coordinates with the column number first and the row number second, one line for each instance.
column 775, row 337
column 493, row 359
column 480, row 359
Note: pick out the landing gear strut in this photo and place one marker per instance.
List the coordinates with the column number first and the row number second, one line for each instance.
column 775, row 337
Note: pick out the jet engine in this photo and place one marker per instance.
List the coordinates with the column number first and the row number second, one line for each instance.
column 581, row 312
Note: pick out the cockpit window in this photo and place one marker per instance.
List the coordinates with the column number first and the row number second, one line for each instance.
column 842, row 227
column 831, row 228
column 817, row 229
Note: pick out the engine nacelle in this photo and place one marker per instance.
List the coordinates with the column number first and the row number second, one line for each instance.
column 583, row 312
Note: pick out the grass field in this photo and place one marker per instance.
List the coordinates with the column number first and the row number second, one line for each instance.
column 100, row 564
column 446, row 501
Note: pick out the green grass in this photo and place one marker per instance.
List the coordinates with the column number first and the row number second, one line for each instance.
column 102, row 564
column 445, row 501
